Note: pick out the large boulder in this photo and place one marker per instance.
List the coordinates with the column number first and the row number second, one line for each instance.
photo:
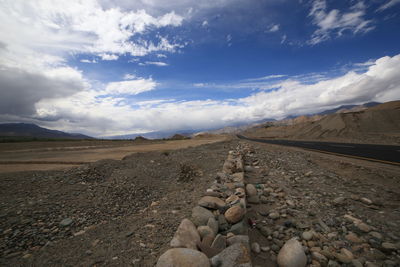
column 186, row 236
column 292, row 254
column 201, row 215
column 236, row 255
column 183, row 257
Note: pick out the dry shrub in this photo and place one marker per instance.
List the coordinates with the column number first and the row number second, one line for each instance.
column 188, row 172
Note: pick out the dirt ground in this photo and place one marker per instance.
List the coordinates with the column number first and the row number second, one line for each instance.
column 125, row 212
column 55, row 155
column 121, row 211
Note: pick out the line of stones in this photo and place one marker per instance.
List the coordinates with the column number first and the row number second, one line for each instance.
column 216, row 234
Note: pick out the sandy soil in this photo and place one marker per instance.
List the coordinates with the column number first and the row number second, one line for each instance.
column 61, row 155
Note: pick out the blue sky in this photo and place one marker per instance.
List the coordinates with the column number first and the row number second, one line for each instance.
column 117, row 67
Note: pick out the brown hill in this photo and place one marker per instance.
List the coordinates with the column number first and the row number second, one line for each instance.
column 140, row 139
column 178, row 137
column 379, row 124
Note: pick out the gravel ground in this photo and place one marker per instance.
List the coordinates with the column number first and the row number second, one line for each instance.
column 109, row 213
column 307, row 194
column 124, row 213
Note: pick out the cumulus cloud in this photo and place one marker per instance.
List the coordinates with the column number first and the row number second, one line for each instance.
column 21, row 89
column 289, row 95
column 334, row 23
column 74, row 26
column 39, row 37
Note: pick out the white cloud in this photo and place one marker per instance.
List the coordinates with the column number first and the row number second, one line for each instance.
column 283, row 38
column 367, row 63
column 200, row 84
column 388, row 4
column 42, row 32
column 132, row 87
column 39, row 37
column 129, row 76
column 88, row 61
column 96, row 114
column 274, row 28
column 105, row 56
column 268, row 77
column 334, row 23
column 155, row 63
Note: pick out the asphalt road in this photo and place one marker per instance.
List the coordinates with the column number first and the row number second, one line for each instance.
column 382, row 153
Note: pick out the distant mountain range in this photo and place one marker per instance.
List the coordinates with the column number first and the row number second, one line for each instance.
column 153, row 135
column 32, row 130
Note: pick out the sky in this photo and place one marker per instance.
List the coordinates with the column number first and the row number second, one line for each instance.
column 114, row 67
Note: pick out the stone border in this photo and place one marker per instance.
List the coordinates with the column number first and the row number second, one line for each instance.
column 217, row 233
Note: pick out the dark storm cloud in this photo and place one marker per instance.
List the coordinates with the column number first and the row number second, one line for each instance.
column 20, row 90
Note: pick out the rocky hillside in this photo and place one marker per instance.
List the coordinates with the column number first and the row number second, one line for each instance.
column 378, row 124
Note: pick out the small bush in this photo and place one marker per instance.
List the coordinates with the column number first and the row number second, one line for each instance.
column 188, row 172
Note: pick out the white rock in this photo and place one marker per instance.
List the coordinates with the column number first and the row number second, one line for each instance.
column 292, row 254
column 308, row 235
column 186, row 236
column 183, row 257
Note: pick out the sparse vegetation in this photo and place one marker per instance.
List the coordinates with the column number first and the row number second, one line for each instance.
column 188, row 172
